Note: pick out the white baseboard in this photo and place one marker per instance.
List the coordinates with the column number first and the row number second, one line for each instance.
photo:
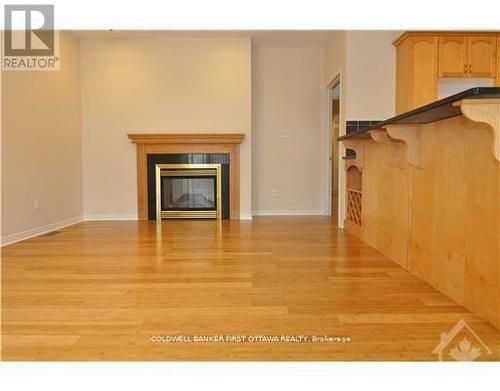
column 134, row 217
column 96, row 217
column 44, row 229
column 31, row 233
column 288, row 213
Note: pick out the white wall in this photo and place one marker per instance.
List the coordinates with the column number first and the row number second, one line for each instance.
column 288, row 131
column 157, row 85
column 41, row 147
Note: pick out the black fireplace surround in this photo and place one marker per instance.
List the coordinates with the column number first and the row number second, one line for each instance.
column 188, row 158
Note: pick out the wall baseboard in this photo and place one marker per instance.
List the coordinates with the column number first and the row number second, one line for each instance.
column 288, row 213
column 31, row 233
column 44, row 229
column 92, row 217
column 98, row 217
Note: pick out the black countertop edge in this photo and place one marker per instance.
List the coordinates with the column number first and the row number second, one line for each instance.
column 435, row 111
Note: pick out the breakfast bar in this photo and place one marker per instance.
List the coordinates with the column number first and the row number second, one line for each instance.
column 424, row 189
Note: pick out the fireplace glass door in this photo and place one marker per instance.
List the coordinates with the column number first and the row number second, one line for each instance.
column 180, row 193
column 188, row 191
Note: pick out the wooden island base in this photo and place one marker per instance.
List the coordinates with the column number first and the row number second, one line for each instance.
column 431, row 201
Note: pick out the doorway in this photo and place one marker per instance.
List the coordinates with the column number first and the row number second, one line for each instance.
column 334, row 154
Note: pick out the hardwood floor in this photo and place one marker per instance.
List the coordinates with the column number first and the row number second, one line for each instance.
column 100, row 290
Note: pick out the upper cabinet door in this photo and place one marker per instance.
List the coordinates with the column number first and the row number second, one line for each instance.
column 453, row 56
column 424, row 70
column 482, row 53
column 498, row 63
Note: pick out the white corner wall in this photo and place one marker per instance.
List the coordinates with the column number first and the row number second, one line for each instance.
column 41, row 147
column 135, row 85
column 288, row 131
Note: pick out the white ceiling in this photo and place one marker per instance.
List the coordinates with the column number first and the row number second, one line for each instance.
column 259, row 37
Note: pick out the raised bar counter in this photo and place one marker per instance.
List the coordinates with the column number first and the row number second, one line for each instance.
column 435, row 111
column 424, row 189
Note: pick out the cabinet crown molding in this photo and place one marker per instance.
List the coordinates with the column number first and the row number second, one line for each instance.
column 408, row 34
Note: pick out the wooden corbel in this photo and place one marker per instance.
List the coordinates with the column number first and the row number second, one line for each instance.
column 486, row 111
column 381, row 137
column 410, row 135
column 358, row 145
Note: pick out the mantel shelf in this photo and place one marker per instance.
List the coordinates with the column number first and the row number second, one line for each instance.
column 186, row 138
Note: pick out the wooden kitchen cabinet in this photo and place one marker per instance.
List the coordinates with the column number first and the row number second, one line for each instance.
column 422, row 57
column 482, row 56
column 453, row 56
column 416, row 72
column 497, row 83
column 467, row 56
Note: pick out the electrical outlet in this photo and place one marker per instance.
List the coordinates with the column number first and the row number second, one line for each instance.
column 36, row 204
column 275, row 194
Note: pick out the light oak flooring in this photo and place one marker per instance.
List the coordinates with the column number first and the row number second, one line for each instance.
column 100, row 290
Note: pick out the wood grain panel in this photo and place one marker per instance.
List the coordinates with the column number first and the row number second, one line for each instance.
column 453, row 57
column 437, row 213
column 186, row 138
column 142, row 182
column 482, row 56
column 497, row 80
column 424, row 70
column 385, row 201
column 403, row 77
column 454, row 203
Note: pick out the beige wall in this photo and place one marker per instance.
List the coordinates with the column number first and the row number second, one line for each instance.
column 157, row 85
column 366, row 62
column 371, row 74
column 186, row 85
column 335, row 70
column 335, row 56
column 288, row 130
column 41, row 147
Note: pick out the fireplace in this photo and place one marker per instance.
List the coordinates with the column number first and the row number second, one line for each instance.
column 188, row 186
column 188, row 149
column 187, row 191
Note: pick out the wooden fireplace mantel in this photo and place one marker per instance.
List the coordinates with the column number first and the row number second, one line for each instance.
column 190, row 138
column 156, row 143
